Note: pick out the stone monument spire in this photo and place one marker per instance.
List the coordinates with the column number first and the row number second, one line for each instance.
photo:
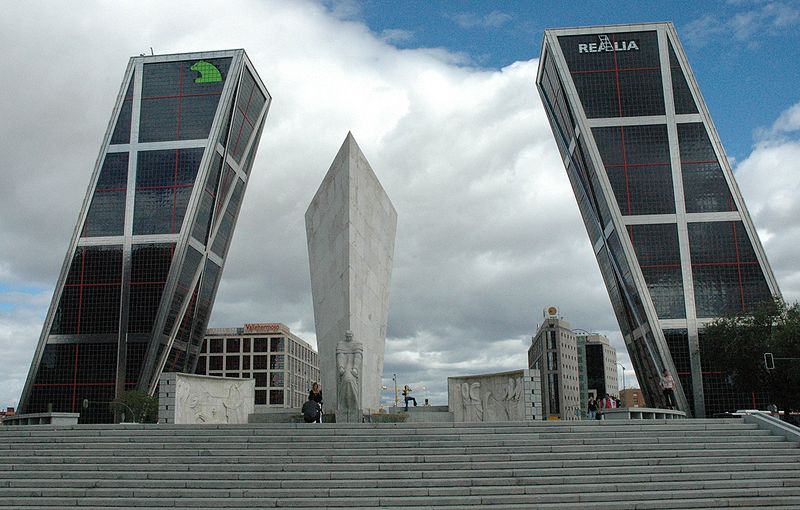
column 350, row 228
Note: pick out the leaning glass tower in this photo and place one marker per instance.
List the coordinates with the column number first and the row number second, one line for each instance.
column 135, row 292
column 668, row 225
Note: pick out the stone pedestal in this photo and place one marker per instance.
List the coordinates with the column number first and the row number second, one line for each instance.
column 198, row 399
column 504, row 396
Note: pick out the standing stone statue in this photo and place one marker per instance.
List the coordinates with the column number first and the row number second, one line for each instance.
column 349, row 361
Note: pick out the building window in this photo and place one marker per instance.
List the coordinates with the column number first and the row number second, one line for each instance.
column 261, row 397
column 278, row 344
column 215, row 345
column 260, row 345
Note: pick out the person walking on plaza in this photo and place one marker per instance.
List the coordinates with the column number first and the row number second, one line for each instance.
column 592, row 409
column 407, row 396
column 667, row 384
column 316, row 395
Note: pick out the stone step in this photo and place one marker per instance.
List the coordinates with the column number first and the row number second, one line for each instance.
column 358, row 450
column 397, row 490
column 418, row 498
column 372, row 429
column 273, row 442
column 379, row 456
column 780, row 503
column 389, row 465
column 667, row 464
column 621, row 437
column 695, row 470
column 786, row 478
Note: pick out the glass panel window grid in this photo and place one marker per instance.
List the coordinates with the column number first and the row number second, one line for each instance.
column 678, row 343
column 122, row 130
column 705, row 187
column 638, row 166
column 208, row 285
column 658, row 253
column 149, row 270
column 228, row 221
column 616, row 75
column 188, row 270
column 202, row 226
column 183, row 336
column 89, row 302
column 70, row 373
column 727, row 275
column 179, row 99
column 248, row 106
column 106, row 216
column 682, row 95
column 560, row 116
column 164, row 181
column 134, row 362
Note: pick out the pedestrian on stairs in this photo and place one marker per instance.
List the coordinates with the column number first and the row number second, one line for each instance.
column 407, row 396
column 312, row 412
column 592, row 409
column 667, row 384
column 316, row 395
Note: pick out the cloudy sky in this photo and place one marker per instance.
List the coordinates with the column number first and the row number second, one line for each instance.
column 441, row 99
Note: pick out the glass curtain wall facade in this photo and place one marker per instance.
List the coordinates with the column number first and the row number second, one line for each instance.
column 135, row 292
column 668, row 225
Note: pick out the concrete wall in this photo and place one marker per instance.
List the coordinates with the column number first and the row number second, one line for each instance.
column 350, row 228
column 199, row 399
column 504, row 396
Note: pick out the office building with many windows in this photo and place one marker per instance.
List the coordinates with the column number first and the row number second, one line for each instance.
column 554, row 352
column 283, row 365
column 136, row 289
column 598, row 367
column 668, row 225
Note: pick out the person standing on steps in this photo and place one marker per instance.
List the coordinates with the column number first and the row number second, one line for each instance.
column 667, row 384
column 407, row 396
column 316, row 395
column 592, row 409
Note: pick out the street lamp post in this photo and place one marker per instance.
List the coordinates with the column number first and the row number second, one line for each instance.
column 394, row 378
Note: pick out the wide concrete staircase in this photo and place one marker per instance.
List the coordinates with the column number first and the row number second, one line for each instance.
column 626, row 464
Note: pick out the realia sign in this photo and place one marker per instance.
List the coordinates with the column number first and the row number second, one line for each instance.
column 606, row 44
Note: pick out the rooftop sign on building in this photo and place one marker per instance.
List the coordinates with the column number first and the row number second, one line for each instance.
column 265, row 327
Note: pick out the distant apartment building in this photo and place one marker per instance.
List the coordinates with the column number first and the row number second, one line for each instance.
column 554, row 352
column 283, row 365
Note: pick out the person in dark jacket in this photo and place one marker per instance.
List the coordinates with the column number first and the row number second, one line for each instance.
column 311, row 411
column 316, row 395
column 591, row 409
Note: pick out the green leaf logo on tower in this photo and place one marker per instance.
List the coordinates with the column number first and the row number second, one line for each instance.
column 208, row 72
column 606, row 44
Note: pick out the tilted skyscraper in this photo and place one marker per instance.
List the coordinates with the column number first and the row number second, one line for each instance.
column 135, row 292
column 674, row 241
